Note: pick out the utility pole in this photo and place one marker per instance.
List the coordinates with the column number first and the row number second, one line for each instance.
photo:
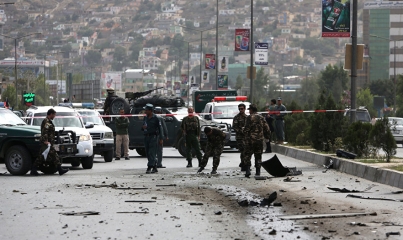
column 216, row 51
column 251, row 45
column 353, row 64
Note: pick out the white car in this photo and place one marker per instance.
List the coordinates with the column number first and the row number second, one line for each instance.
column 68, row 119
column 396, row 127
column 102, row 136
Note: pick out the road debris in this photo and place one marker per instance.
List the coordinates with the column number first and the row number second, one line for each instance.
column 195, row 204
column 86, row 213
column 331, row 215
column 358, row 224
column 131, row 188
column 260, row 177
column 267, row 201
column 141, row 201
column 273, row 232
column 392, row 233
column 274, row 167
column 397, row 192
column 329, row 166
column 134, row 212
column 343, row 190
column 290, row 179
column 217, row 212
column 165, row 185
column 371, row 198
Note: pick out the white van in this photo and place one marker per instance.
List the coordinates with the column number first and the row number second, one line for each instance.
column 68, row 119
column 223, row 110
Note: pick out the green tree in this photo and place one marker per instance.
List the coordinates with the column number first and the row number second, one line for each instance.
column 383, row 88
column 382, row 137
column 93, row 58
column 308, row 93
column 42, row 92
column 333, row 80
column 74, row 17
column 119, row 54
column 260, row 85
column 239, row 82
column 9, row 94
column 365, row 98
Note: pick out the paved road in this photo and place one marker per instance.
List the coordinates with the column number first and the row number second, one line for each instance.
column 31, row 206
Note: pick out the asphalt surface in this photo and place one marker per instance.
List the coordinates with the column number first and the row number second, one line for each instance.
column 177, row 203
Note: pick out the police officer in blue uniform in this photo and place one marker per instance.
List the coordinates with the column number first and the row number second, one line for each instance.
column 153, row 135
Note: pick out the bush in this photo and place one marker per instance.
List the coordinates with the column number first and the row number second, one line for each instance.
column 357, row 139
column 381, row 137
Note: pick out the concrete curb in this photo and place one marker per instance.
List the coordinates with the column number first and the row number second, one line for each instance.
column 374, row 174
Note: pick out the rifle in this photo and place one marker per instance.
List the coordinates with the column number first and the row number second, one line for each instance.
column 136, row 95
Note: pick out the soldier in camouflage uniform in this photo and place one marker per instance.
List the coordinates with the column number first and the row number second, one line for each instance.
column 107, row 104
column 256, row 130
column 238, row 124
column 48, row 137
column 191, row 130
column 215, row 146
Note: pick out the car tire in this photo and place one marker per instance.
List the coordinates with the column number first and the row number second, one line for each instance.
column 75, row 163
column 182, row 148
column 117, row 104
column 87, row 162
column 108, row 156
column 18, row 160
column 141, row 151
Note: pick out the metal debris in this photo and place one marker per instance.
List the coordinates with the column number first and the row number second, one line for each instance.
column 267, row 201
column 165, row 185
column 217, row 212
column 290, row 179
column 332, row 215
column 134, row 212
column 260, row 177
column 329, row 166
column 131, row 188
column 274, row 167
column 392, row 233
column 343, row 190
column 141, row 201
column 195, row 204
column 397, row 192
column 86, row 213
column 370, row 198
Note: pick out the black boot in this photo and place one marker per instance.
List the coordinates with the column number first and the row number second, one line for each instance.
column 148, row 171
column 62, row 170
column 200, row 169
column 268, row 147
column 243, row 167
column 189, row 164
column 34, row 171
column 154, row 170
column 247, row 173
column 257, row 171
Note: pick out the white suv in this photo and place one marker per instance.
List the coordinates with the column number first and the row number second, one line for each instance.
column 68, row 119
column 102, row 136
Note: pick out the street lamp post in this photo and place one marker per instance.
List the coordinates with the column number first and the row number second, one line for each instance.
column 394, row 67
column 15, row 58
column 201, row 48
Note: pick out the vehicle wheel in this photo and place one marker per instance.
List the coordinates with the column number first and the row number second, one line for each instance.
column 108, row 156
column 87, row 162
column 48, row 170
column 182, row 148
column 141, row 151
column 75, row 163
column 18, row 160
column 117, row 104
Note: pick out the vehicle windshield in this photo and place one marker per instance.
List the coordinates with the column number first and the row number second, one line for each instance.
column 91, row 116
column 362, row 116
column 396, row 121
column 9, row 118
column 225, row 112
column 62, row 119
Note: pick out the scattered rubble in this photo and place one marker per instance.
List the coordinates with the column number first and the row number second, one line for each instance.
column 332, row 215
column 371, row 198
column 86, row 213
column 274, row 167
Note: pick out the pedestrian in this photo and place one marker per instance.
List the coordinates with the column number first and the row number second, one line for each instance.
column 122, row 135
column 160, row 148
column 270, row 119
column 191, row 130
column 107, row 104
column 48, row 139
column 280, row 121
column 153, row 135
column 238, row 123
column 256, row 130
column 215, row 146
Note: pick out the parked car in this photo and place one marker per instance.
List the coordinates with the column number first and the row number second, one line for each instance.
column 102, row 136
column 19, row 144
column 69, row 119
column 396, row 126
column 361, row 114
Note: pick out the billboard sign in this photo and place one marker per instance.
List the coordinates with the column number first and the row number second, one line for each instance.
column 223, row 64
column 336, row 19
column 209, row 61
column 205, row 76
column 261, row 53
column 222, row 82
column 111, row 80
column 242, row 39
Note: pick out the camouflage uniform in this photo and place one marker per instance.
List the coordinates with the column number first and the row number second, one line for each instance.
column 255, row 127
column 191, row 127
column 215, row 146
column 237, row 124
column 108, row 101
column 47, row 135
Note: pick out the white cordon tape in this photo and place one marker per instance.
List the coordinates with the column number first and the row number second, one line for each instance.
column 185, row 114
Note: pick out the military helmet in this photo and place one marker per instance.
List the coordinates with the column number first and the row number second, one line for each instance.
column 110, row 90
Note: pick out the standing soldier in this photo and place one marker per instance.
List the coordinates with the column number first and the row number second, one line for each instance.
column 191, row 130
column 215, row 146
column 122, row 135
column 107, row 104
column 152, row 133
column 280, row 121
column 237, row 124
column 160, row 148
column 48, row 138
column 256, row 129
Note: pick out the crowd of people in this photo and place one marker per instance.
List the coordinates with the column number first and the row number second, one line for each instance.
column 251, row 132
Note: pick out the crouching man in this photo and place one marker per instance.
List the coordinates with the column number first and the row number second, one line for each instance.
column 215, row 146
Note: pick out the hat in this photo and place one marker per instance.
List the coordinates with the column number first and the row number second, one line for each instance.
column 149, row 106
column 252, row 107
column 110, row 90
column 158, row 109
column 279, row 98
